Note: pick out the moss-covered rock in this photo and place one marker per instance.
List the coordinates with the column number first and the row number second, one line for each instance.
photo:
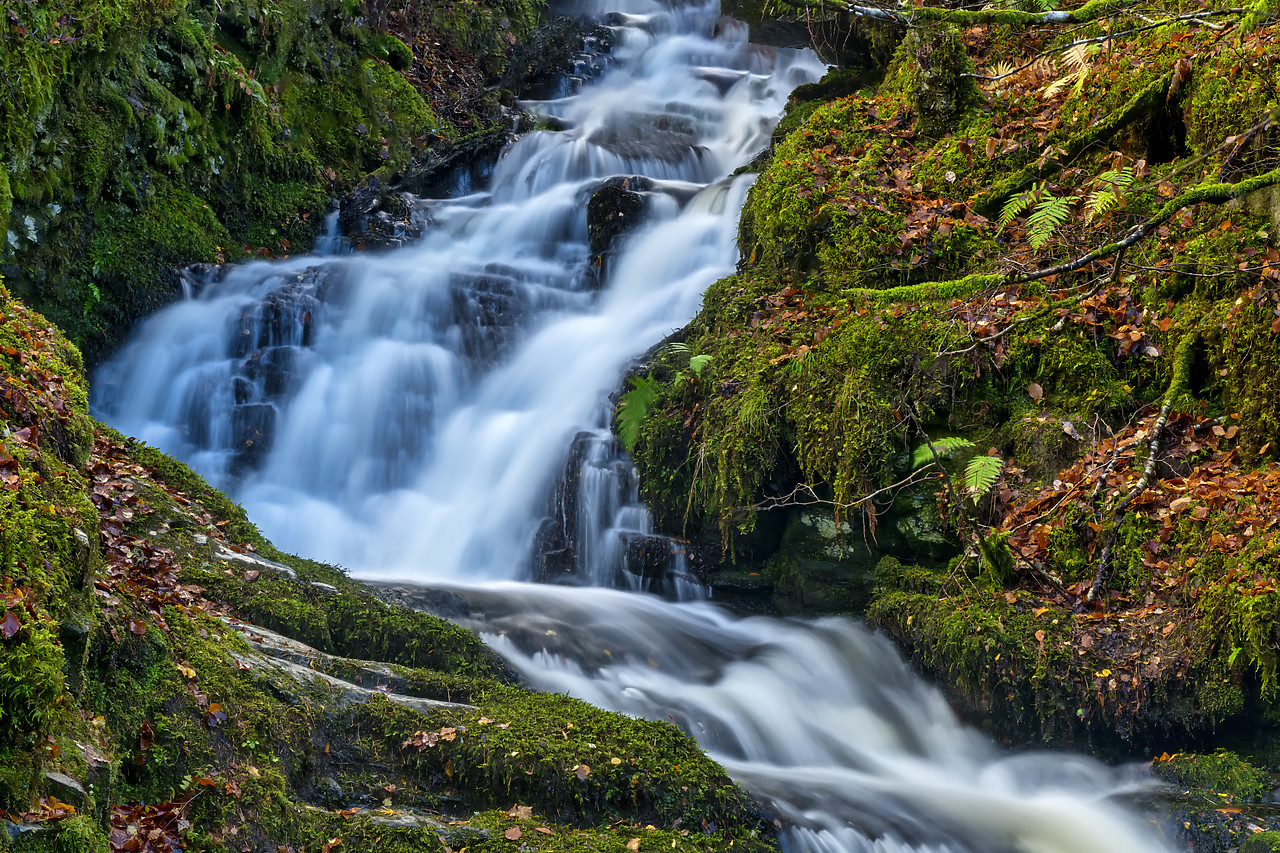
column 136, row 695
column 146, row 136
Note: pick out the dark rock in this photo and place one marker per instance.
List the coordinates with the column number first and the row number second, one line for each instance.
column 487, row 311
column 553, row 60
column 451, row 168
column 613, row 210
column 649, row 557
column 375, row 216
column 555, row 547
column 65, row 788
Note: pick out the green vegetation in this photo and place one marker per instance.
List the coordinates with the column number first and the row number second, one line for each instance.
column 125, row 577
column 1074, row 273
column 144, row 135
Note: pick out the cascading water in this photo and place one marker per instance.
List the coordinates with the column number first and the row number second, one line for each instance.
column 405, row 414
column 410, row 409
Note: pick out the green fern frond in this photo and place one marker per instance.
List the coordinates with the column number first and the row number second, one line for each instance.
column 981, row 474
column 1099, row 204
column 697, row 363
column 1048, row 217
column 676, row 348
column 1016, row 205
column 945, row 447
column 633, row 407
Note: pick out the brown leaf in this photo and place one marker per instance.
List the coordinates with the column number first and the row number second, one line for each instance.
column 146, row 735
column 512, row 834
column 542, row 829
column 1035, row 391
column 251, row 575
column 521, row 812
column 1040, row 637
column 137, row 626
column 9, row 625
column 582, row 771
column 633, row 845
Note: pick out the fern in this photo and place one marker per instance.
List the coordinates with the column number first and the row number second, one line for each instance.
column 1048, row 217
column 944, row 447
column 697, row 363
column 633, row 407
column 981, row 474
column 1101, row 201
column 1019, row 203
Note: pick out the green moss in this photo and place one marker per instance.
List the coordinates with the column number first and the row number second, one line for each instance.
column 1262, row 842
column 1222, row 772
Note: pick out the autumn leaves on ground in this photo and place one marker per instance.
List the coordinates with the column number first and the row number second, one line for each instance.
column 1070, row 267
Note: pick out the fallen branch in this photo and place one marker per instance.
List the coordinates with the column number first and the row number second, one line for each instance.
column 959, row 288
column 1181, row 370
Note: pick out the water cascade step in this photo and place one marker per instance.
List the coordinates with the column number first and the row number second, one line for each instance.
column 406, row 414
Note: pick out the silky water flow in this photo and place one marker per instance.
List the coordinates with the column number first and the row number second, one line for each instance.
column 405, row 415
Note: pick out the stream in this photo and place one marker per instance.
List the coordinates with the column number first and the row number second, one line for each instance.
column 406, row 414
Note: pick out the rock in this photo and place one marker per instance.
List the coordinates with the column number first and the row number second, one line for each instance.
column 613, row 210
column 296, row 672
column 452, row 168
column 555, row 547
column 65, row 788
column 648, row 556
column 566, row 50
column 375, row 216
column 250, row 562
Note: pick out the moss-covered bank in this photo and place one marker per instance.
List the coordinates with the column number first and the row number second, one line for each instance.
column 893, row 303
column 138, row 700
column 141, row 136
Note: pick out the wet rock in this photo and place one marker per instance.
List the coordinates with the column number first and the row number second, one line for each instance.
column 487, row 311
column 555, row 547
column 376, row 216
column 450, row 168
column 648, row 556
column 556, row 57
column 613, row 210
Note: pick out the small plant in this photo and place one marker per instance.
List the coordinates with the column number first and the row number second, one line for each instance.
column 980, row 473
column 635, row 403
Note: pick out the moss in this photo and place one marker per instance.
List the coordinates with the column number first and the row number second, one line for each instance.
column 1222, row 772
column 558, row 754
column 1262, row 842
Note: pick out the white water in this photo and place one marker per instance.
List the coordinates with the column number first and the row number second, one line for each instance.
column 407, row 413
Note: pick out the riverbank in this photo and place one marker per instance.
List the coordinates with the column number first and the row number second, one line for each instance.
column 167, row 675
column 142, row 137
column 996, row 372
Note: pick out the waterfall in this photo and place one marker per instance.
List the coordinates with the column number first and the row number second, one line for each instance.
column 406, row 414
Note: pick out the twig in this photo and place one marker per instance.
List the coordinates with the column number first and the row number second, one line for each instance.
column 1181, row 367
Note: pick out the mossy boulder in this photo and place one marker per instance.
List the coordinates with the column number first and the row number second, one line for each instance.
column 137, row 694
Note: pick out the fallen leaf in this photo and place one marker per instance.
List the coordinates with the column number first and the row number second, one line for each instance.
column 252, row 575
column 137, row 626
column 512, row 834
column 542, row 829
column 521, row 812
column 9, row 625
column 1035, row 391
column 146, row 735
column 633, row 845
column 582, row 771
